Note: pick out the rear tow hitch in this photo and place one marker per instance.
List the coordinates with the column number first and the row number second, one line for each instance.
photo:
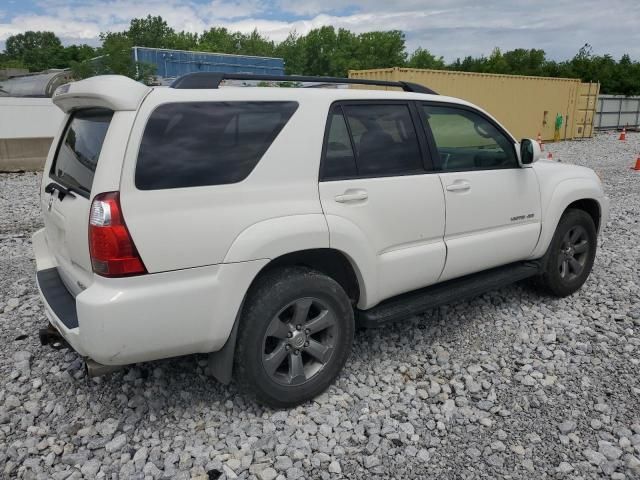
column 50, row 336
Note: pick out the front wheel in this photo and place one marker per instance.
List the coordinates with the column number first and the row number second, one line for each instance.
column 571, row 254
column 295, row 335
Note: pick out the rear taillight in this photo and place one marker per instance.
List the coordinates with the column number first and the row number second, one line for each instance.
column 113, row 253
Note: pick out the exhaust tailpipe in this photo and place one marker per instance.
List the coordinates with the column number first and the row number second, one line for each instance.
column 50, row 336
column 95, row 369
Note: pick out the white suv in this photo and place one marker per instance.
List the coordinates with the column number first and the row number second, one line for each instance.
column 262, row 224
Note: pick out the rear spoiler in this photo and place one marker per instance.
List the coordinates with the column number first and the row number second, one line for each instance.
column 115, row 92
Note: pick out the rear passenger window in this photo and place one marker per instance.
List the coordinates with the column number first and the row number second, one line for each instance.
column 384, row 139
column 339, row 160
column 207, row 143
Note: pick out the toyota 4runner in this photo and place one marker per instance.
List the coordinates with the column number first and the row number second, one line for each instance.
column 261, row 225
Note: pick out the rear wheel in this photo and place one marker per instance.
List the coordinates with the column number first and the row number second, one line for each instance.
column 571, row 253
column 295, row 335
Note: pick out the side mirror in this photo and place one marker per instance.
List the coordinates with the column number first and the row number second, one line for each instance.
column 529, row 152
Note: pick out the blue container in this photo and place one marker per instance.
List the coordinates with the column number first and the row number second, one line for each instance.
column 174, row 63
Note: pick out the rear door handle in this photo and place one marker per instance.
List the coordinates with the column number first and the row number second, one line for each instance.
column 458, row 186
column 352, row 195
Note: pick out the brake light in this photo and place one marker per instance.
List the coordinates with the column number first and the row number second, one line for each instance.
column 113, row 253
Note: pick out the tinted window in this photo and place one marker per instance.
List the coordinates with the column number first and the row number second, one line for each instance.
column 207, row 143
column 339, row 160
column 385, row 139
column 467, row 141
column 78, row 152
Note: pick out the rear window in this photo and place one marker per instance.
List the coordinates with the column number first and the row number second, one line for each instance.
column 75, row 162
column 207, row 143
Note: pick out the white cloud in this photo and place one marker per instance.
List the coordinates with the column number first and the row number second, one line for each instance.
column 62, row 27
column 453, row 28
column 232, row 9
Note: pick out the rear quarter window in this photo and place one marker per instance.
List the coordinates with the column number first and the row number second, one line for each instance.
column 207, row 143
column 77, row 157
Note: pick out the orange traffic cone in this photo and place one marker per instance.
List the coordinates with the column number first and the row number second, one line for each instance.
column 540, row 142
column 623, row 135
column 550, row 156
column 637, row 166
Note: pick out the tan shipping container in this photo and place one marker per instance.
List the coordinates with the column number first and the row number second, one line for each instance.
column 525, row 105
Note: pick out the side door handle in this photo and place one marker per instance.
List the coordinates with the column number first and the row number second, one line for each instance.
column 352, row 195
column 459, row 186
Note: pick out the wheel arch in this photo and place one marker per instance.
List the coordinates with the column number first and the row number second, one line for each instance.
column 570, row 193
column 331, row 262
column 589, row 205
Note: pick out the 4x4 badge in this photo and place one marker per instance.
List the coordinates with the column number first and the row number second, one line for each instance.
column 50, row 202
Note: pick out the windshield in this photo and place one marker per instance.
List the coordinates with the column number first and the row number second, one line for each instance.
column 78, row 152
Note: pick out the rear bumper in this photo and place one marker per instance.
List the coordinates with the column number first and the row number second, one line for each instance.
column 148, row 317
column 57, row 297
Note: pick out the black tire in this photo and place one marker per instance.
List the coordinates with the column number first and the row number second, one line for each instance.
column 274, row 307
column 569, row 259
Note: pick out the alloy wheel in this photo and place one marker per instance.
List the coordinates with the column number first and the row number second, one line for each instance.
column 574, row 252
column 299, row 341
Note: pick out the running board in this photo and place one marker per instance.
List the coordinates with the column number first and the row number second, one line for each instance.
column 409, row 304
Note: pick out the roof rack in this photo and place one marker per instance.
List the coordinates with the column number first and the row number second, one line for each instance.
column 207, row 80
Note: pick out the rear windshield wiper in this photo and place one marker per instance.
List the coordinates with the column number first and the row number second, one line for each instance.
column 62, row 191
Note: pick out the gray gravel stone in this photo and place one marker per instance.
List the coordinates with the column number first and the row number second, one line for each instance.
column 91, row 468
column 371, row 461
column 267, row 474
column 78, row 458
column 567, row 427
column 596, row 458
column 116, row 444
column 565, row 468
column 334, row 467
column 633, row 464
column 283, row 463
column 609, row 451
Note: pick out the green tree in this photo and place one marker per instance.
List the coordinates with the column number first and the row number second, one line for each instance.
column 35, row 50
column 522, row 61
column 255, row 44
column 329, row 52
column 6, row 62
column 321, row 46
column 217, row 39
column 292, row 50
column 423, row 58
column 381, row 49
column 627, row 77
column 151, row 32
column 77, row 53
column 115, row 58
column 183, row 41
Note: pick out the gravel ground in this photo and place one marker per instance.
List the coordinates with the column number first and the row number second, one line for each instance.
column 512, row 384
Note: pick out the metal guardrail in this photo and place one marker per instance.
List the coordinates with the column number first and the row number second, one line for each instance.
column 617, row 111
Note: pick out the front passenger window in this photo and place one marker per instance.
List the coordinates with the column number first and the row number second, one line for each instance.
column 467, row 141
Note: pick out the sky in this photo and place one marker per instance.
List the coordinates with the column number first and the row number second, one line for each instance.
column 451, row 28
